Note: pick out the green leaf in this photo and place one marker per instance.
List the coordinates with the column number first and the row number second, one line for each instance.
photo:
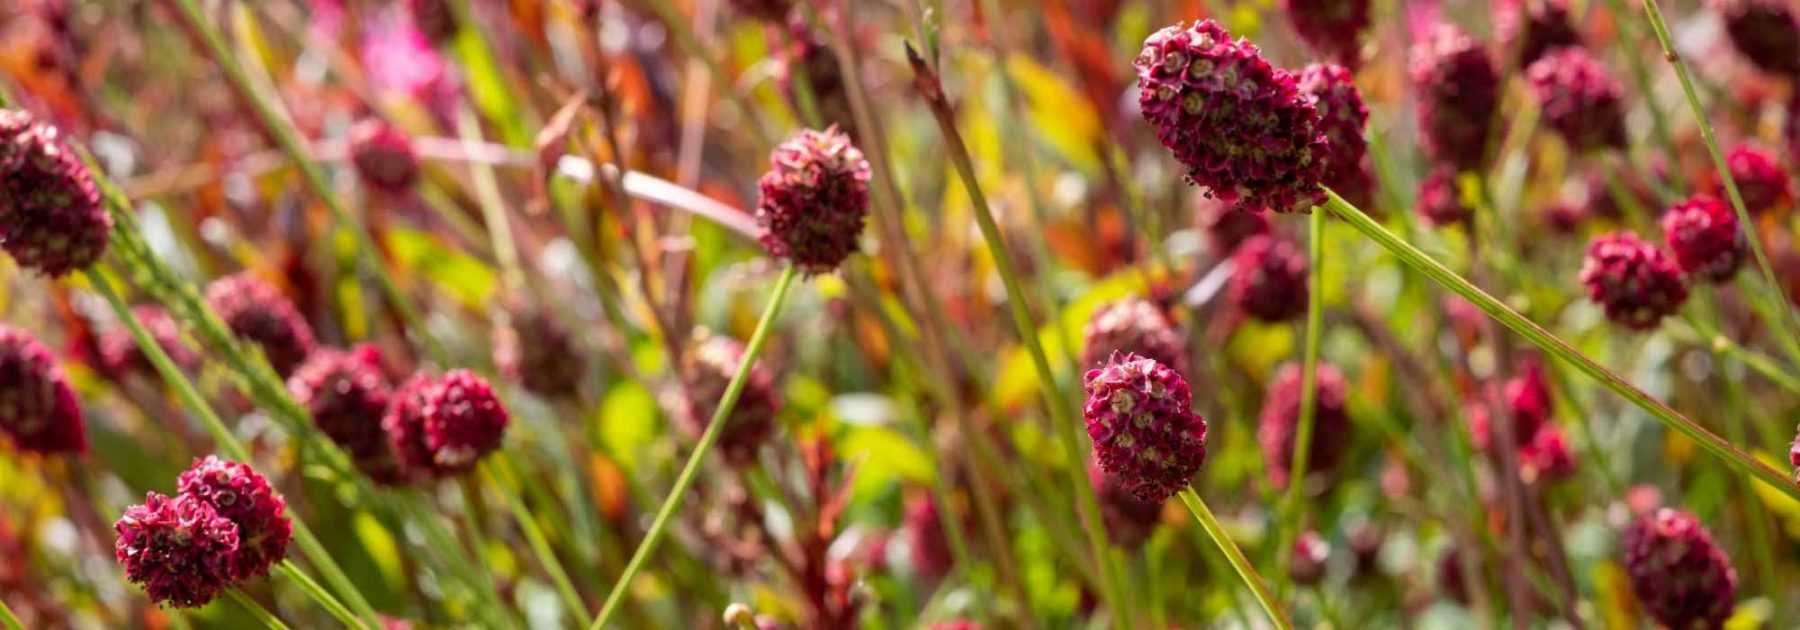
column 464, row 277
column 884, row 457
column 628, row 419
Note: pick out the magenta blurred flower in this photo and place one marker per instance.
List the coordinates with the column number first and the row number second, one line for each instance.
column 1764, row 31
column 1682, row 578
column 1579, row 99
column 180, row 550
column 710, row 365
column 1536, row 27
column 38, row 410
column 1268, row 279
column 1762, row 182
column 258, row 312
column 1459, row 94
column 1333, row 28
column 1439, row 202
column 383, row 156
column 442, row 426
column 243, row 496
column 1279, row 422
column 931, row 557
column 1703, row 233
column 51, row 218
column 1342, row 118
column 346, row 393
column 814, row 200
column 1633, row 280
column 1132, row 325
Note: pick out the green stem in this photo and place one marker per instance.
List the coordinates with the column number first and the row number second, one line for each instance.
column 312, row 589
column 268, row 619
column 281, row 127
column 710, row 436
column 1291, row 506
column 1761, row 363
column 1556, row 347
column 232, row 447
column 539, row 545
column 8, row 620
column 1245, row 571
column 1785, row 330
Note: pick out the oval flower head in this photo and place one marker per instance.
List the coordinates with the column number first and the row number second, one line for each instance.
column 1342, row 118
column 1579, row 99
column 346, row 394
column 178, row 549
column 51, row 219
column 1683, row 579
column 1633, row 280
column 259, row 313
column 1459, row 92
column 1241, row 126
column 1703, row 233
column 814, row 200
column 1133, row 325
column 38, row 410
column 1140, row 415
column 243, row 496
column 442, row 426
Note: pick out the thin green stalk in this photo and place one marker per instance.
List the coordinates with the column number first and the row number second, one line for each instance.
column 268, row 619
column 927, row 84
column 1245, row 571
column 8, row 620
column 1640, row 74
column 1556, row 347
column 312, row 589
column 1786, row 328
column 539, row 546
column 710, row 436
column 1761, row 363
column 232, row 447
column 281, row 127
column 1293, row 509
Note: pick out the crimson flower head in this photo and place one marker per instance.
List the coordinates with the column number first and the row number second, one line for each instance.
column 1761, row 181
column 383, row 156
column 1307, row 565
column 1528, row 405
column 710, row 366
column 1129, row 519
column 539, row 352
column 1536, row 27
column 814, row 199
column 1579, row 99
column 346, row 394
column 1146, row 435
column 1459, row 91
column 1268, row 279
column 1342, row 117
column 51, row 219
column 260, row 314
column 119, row 354
column 1547, row 457
column 1439, row 202
column 931, row 556
column 447, row 423
column 1703, row 233
column 1279, row 424
column 243, row 496
column 38, row 410
column 1632, row 280
column 1764, row 31
column 1131, row 325
column 1241, row 127
column 1334, row 28
column 1682, row 578
column 180, row 550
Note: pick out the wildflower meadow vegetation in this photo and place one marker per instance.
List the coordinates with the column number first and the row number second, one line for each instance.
column 899, row 314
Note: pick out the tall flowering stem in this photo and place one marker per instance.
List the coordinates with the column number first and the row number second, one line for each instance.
column 1291, row 505
column 1548, row 342
column 282, row 129
column 1777, row 314
column 713, row 429
column 1245, row 570
column 926, row 82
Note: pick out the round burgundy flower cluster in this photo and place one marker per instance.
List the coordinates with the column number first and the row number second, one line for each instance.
column 1536, row 27
column 119, row 354
column 1682, row 577
column 1279, row 423
column 535, row 350
column 442, row 426
column 1764, row 31
column 225, row 526
column 1579, row 99
column 1226, row 226
column 51, row 218
column 383, row 156
column 711, row 363
column 346, row 393
column 1342, row 118
column 1146, row 435
column 1439, row 202
column 1632, row 280
column 930, row 548
column 1241, row 127
column 1268, row 279
column 1543, row 450
column 1135, row 326
column 814, row 199
column 1703, row 233
column 1307, row 565
column 260, row 314
column 1459, row 92
column 1334, row 28
column 1761, row 181
column 1129, row 519
column 38, row 410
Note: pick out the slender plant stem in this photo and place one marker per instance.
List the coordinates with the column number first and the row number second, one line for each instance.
column 293, row 573
column 1258, row 587
column 1786, row 328
column 534, row 536
column 1555, row 346
column 707, row 439
column 1291, row 506
column 1761, row 363
column 232, row 447
column 268, row 619
column 8, row 620
column 279, row 126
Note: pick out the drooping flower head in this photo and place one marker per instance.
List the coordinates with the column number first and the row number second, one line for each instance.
column 243, row 496
column 180, row 549
column 51, row 219
column 539, row 352
column 1682, row 578
column 347, row 394
column 1334, row 28
column 1633, row 280
column 1268, row 279
column 1133, row 325
column 1129, row 519
column 1764, row 31
column 710, row 366
column 1703, row 233
column 1761, row 181
column 1279, row 423
column 260, row 314
column 1459, row 93
column 1536, row 27
column 1140, row 416
column 1342, row 118
column 1579, row 99
column 814, row 199
column 38, row 410
column 1439, row 202
column 383, row 156
column 1241, row 127
column 118, row 353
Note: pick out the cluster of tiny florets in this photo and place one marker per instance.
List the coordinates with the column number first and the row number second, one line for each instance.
column 347, row 393
column 51, row 219
column 1342, row 118
column 1536, row 27
column 383, row 156
column 1268, row 279
column 180, row 549
column 1703, row 233
column 1761, row 181
column 1459, row 93
column 257, row 312
column 1241, row 127
column 710, row 366
column 814, row 199
column 244, row 497
column 1440, row 202
column 1679, row 574
column 1279, row 423
column 38, row 410
column 1132, row 325
column 1579, row 99
column 1632, row 280
column 1129, row 518
column 1334, row 28
column 1764, row 31
column 118, row 354
column 443, row 425
column 539, row 352
column 1140, row 416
